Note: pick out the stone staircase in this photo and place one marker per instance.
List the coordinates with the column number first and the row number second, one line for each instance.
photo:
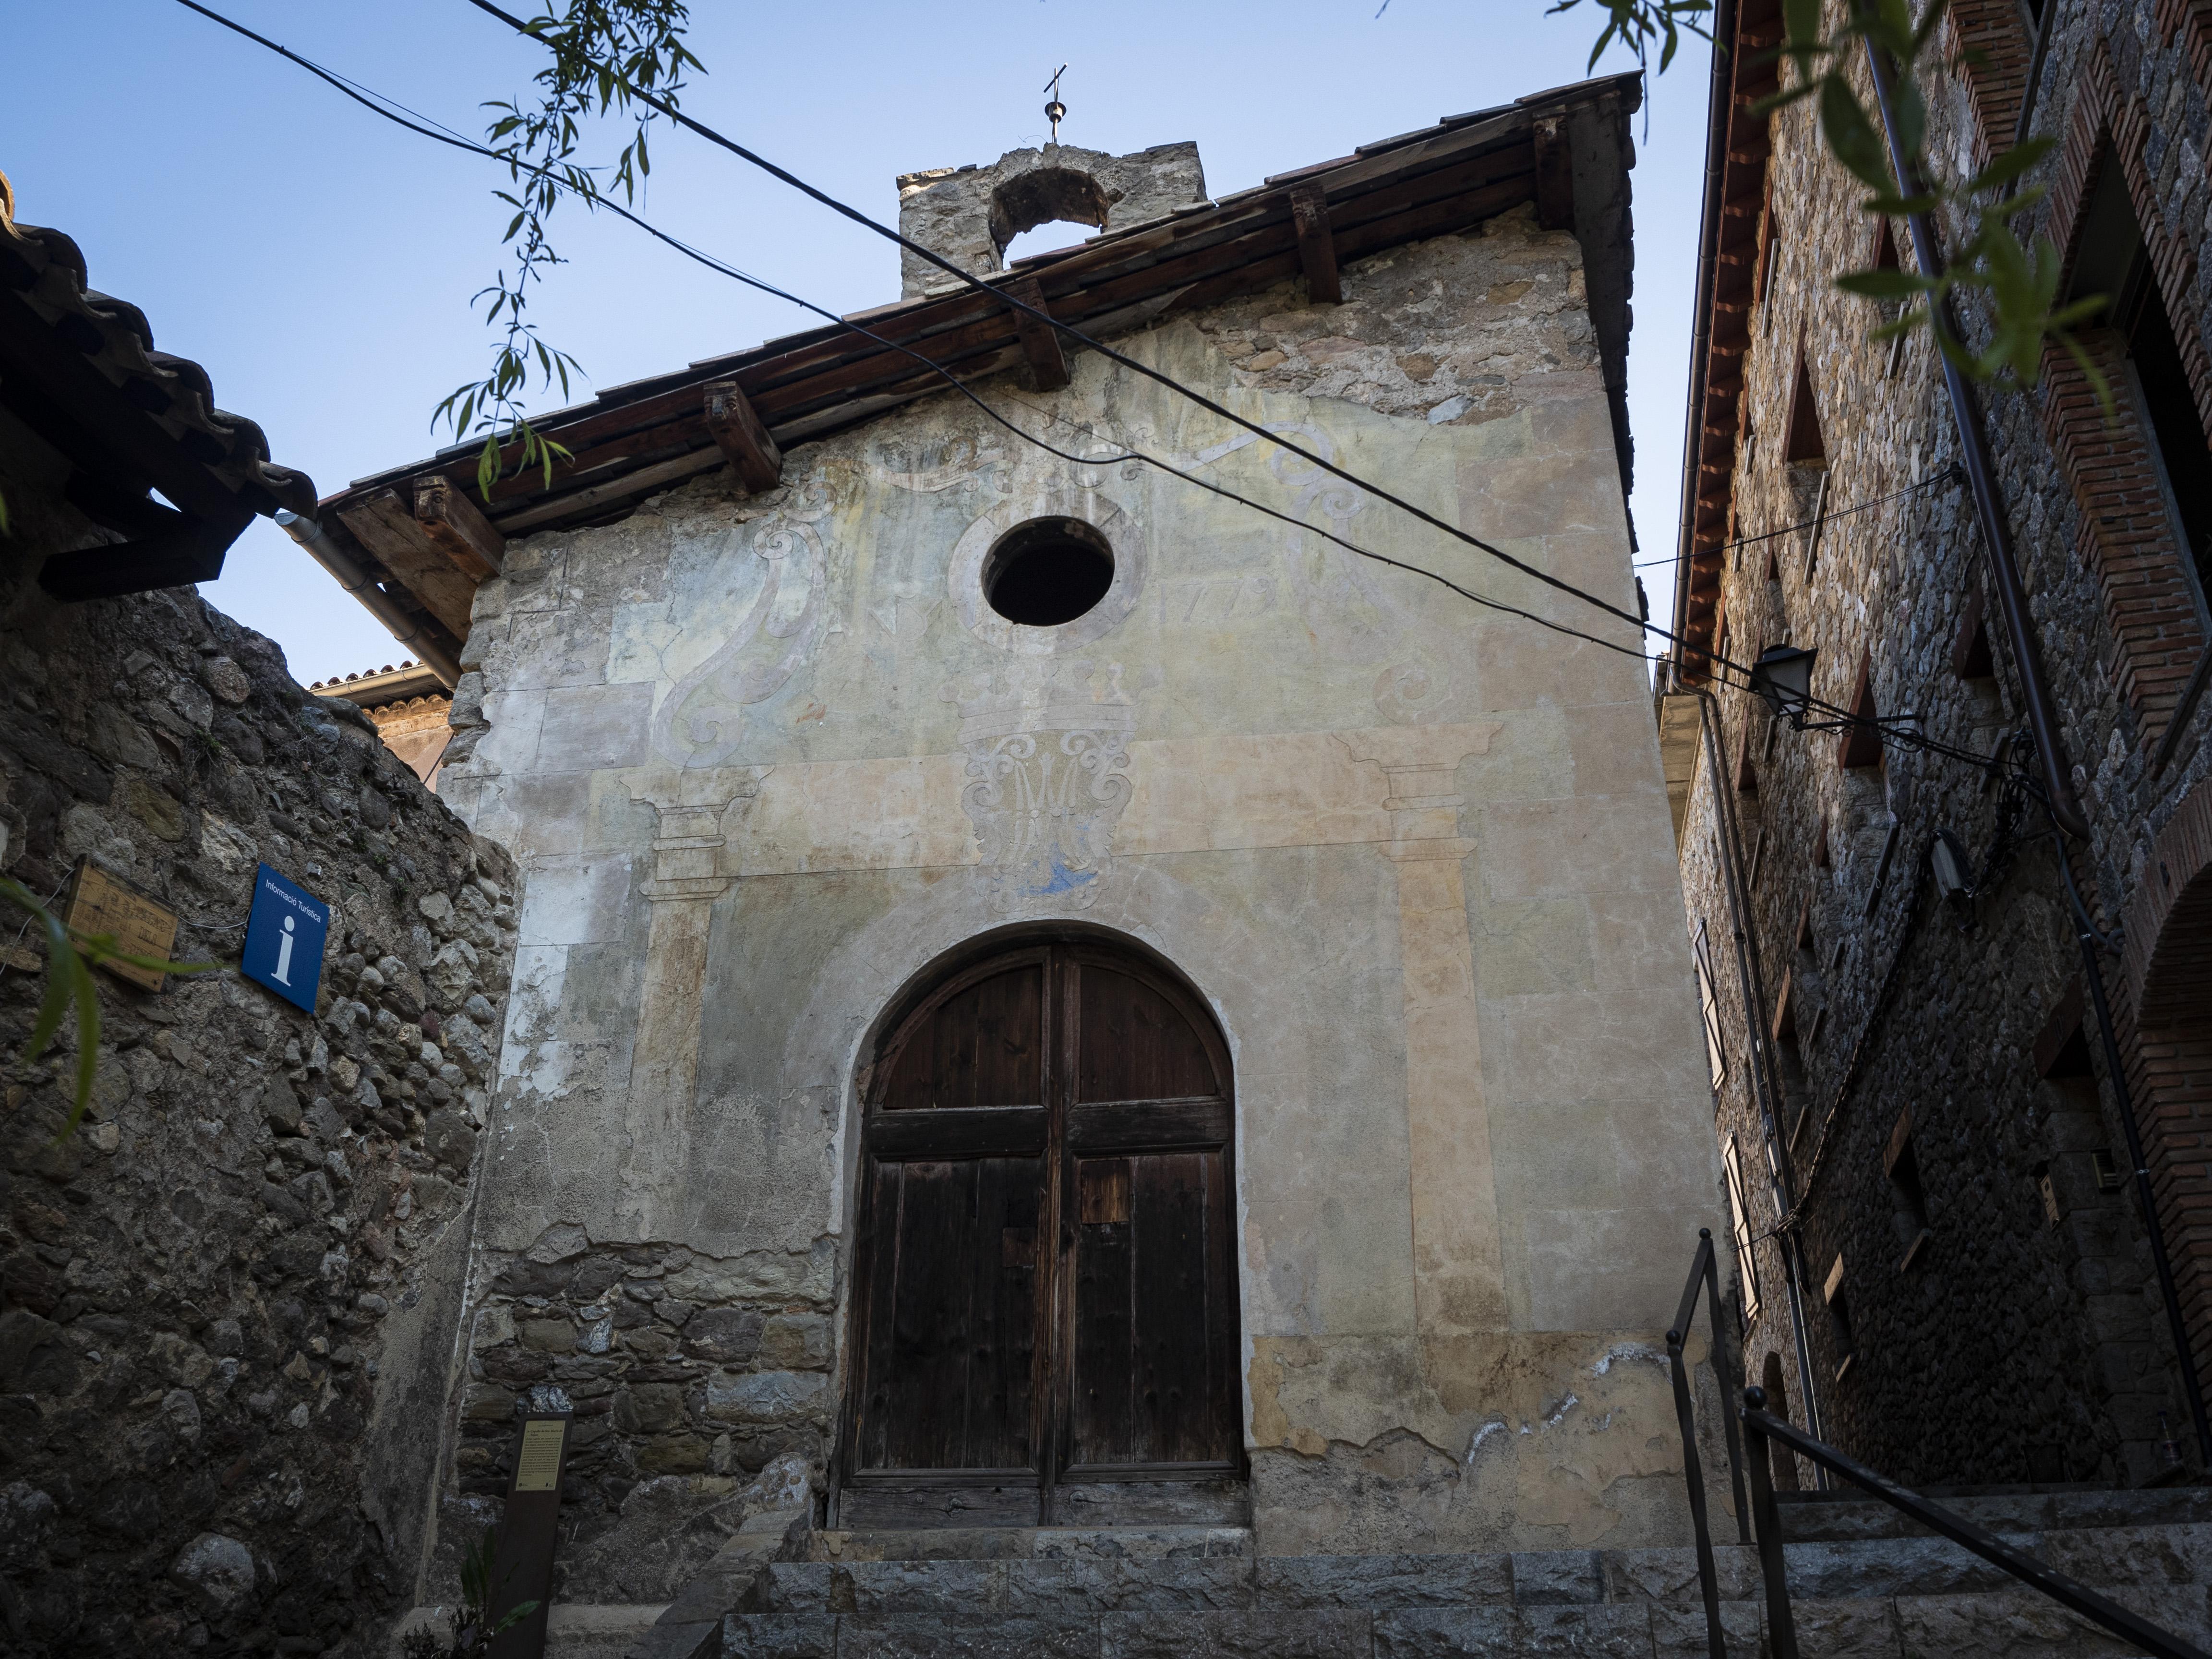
column 1863, row 1582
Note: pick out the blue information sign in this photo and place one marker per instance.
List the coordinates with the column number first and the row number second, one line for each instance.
column 284, row 934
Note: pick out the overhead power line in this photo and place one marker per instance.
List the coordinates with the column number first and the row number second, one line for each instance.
column 1134, row 366
column 424, row 126
column 1823, row 517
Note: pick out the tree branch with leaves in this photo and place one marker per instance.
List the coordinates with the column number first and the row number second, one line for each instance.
column 604, row 52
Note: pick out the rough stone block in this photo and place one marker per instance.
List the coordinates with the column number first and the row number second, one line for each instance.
column 779, row 1636
column 1554, row 1577
column 2015, row 1625
column 1304, row 1635
column 1614, row 1633
column 2148, row 1556
column 941, row 1638
column 792, row 1589
column 1047, row 1587
column 1671, row 1575
column 671, row 1640
column 1377, row 1582
column 967, row 1591
column 1845, row 1629
column 1889, row 1566
column 1680, row 1632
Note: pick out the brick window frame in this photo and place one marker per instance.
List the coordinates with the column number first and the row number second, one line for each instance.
column 2166, row 1042
column 1860, row 745
column 1991, row 51
column 2126, row 537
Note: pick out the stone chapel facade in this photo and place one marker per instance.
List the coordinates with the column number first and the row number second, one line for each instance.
column 1045, row 996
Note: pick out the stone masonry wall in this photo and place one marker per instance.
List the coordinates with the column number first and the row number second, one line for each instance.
column 701, row 1393
column 228, row 1302
column 2024, row 1339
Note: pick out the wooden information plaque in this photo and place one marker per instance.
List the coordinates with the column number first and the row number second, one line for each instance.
column 522, row 1561
column 99, row 904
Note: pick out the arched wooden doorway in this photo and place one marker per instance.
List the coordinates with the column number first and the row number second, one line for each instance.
column 1044, row 1312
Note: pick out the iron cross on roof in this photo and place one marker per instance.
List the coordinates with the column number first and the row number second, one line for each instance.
column 1055, row 110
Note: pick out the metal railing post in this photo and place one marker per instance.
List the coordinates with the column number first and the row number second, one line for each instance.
column 1729, row 1375
column 1694, row 1471
column 1781, row 1628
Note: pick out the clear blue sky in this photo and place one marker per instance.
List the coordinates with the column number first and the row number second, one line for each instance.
column 318, row 262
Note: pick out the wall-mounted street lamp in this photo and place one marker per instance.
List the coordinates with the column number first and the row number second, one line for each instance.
column 1953, row 869
column 1782, row 678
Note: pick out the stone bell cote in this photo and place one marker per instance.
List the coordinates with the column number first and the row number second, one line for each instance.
column 969, row 214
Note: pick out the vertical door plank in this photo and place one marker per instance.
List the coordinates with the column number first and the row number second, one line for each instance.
column 1105, row 1429
column 873, row 1421
column 929, row 1325
column 1173, row 1395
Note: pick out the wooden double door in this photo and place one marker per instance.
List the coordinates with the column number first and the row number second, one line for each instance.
column 1045, row 1325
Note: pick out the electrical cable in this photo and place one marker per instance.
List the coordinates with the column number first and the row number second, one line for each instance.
column 1949, row 473
column 1013, row 302
column 424, row 127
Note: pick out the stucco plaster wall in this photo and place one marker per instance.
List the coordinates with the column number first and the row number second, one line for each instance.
column 763, row 758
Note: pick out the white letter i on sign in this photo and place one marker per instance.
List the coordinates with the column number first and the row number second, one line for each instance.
column 282, row 975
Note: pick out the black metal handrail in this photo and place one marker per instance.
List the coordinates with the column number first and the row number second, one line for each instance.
column 1760, row 1426
column 1704, row 1275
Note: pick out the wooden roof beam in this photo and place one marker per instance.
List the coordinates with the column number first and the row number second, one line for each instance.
column 739, row 434
column 452, row 522
column 1040, row 340
column 1555, row 174
column 1316, row 244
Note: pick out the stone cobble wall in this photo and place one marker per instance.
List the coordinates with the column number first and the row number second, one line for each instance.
column 2025, row 1340
column 701, row 1393
column 228, row 1301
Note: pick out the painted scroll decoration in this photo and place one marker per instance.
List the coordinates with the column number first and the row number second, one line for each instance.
column 702, row 721
column 1047, row 777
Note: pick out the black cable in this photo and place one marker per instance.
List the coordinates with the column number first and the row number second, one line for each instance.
column 1076, row 334
column 422, row 126
column 1946, row 476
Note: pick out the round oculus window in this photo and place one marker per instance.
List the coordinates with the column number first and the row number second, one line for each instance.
column 1048, row 572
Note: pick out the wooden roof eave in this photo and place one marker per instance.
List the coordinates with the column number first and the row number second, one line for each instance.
column 644, row 437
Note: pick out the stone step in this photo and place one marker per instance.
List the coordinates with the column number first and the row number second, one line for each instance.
column 1838, row 1516
column 1033, row 1543
column 2012, row 1624
column 1121, row 1597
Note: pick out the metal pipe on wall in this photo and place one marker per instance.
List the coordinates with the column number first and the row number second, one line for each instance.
column 1981, row 477
column 358, row 582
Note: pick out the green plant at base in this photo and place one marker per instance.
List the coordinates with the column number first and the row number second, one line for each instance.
column 470, row 1626
column 70, row 957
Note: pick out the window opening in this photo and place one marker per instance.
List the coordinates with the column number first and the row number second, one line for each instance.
column 2115, row 263
column 1861, row 744
column 1767, row 238
column 1839, row 1320
column 1048, row 238
column 1746, row 1266
column 1782, row 1462
column 1709, row 1004
column 1803, row 445
column 1901, row 1164
column 1048, row 572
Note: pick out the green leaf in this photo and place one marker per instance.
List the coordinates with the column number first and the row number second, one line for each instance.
column 1851, row 136
column 2013, row 163
column 1884, row 284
